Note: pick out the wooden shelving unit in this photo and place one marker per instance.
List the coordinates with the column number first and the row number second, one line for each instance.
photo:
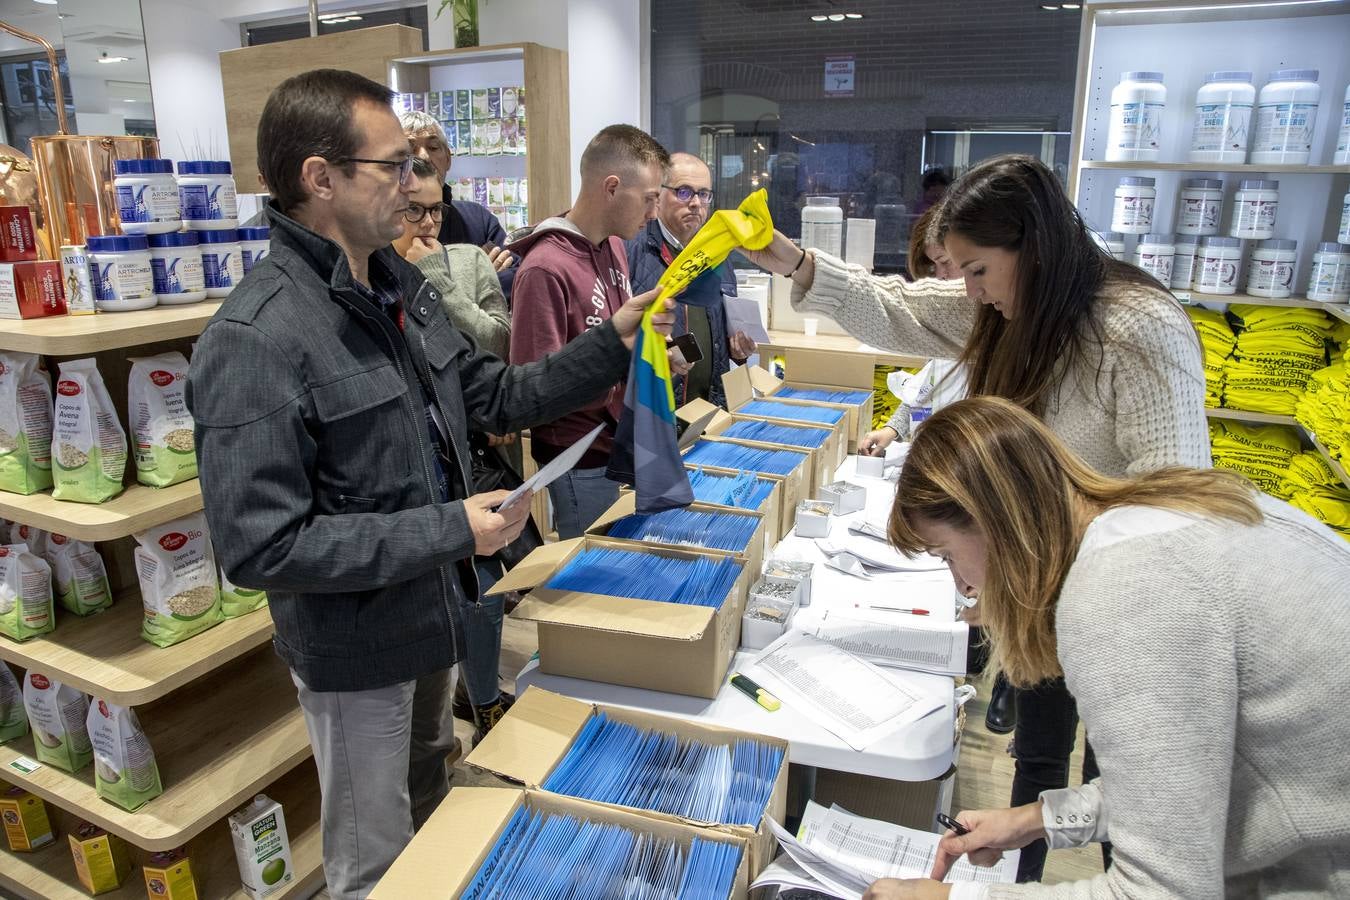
column 71, row 335
column 135, row 509
column 1339, row 310
column 1256, row 418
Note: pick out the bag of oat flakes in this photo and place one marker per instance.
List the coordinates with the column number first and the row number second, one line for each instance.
column 57, row 713
column 26, row 608
column 79, row 578
column 36, row 539
column 177, row 572
column 25, row 424
column 125, row 771
column 13, row 717
column 89, row 447
column 161, row 425
column 236, row 601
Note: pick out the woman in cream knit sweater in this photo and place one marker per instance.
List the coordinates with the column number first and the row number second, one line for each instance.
column 1045, row 318
column 1200, row 625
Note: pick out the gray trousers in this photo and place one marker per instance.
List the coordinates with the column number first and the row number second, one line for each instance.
column 381, row 759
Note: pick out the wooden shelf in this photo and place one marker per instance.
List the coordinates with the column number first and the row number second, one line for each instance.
column 49, row 874
column 218, row 741
column 80, row 335
column 105, row 656
column 490, row 53
column 135, row 509
column 1241, row 415
column 1244, row 168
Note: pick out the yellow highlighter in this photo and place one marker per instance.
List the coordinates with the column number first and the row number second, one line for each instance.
column 755, row 692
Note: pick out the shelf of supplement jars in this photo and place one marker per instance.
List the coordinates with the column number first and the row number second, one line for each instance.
column 135, row 509
column 49, row 873
column 1236, row 168
column 79, row 335
column 1339, row 310
column 217, row 741
column 105, row 656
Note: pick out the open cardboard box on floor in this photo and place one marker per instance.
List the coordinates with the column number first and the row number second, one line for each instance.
column 674, row 647
column 819, row 468
column 771, row 508
column 811, row 370
column 532, row 739
column 446, row 853
column 626, row 505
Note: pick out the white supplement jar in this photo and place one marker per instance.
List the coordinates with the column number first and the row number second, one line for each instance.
column 1342, row 155
column 147, row 196
column 1201, row 205
column 1286, row 114
column 1184, row 248
column 1114, row 242
column 1153, row 254
column 1272, row 269
column 221, row 266
column 176, row 263
column 119, row 267
column 1329, row 280
column 1223, row 118
column 1343, row 233
column 1132, row 211
column 1135, row 129
column 206, row 189
column 253, row 246
column 1217, row 264
column 1254, row 207
column 823, row 225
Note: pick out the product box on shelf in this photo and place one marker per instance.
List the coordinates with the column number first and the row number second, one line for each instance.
column 810, row 370
column 675, row 647
column 31, row 290
column 542, row 726
column 752, row 556
column 448, row 850
column 102, row 860
column 262, row 848
column 824, row 460
column 25, row 816
column 18, row 242
column 168, row 876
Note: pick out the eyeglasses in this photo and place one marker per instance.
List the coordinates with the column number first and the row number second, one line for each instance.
column 404, row 166
column 416, row 212
column 684, row 193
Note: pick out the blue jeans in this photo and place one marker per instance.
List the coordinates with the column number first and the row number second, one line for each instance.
column 579, row 497
column 483, row 637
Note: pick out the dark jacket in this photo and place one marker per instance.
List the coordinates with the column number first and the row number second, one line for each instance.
column 467, row 222
column 708, row 319
column 316, row 458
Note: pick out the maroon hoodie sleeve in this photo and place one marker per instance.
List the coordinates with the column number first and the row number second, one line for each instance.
column 538, row 315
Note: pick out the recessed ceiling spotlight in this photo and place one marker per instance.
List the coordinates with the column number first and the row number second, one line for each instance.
column 820, row 18
column 1050, row 7
column 836, row 17
column 853, row 15
column 1071, row 6
column 105, row 58
column 46, row 2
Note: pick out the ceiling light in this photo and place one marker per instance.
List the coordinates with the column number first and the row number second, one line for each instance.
column 853, row 15
column 820, row 18
column 1050, row 7
column 46, row 2
column 105, row 58
column 1071, row 6
column 836, row 17
column 127, row 100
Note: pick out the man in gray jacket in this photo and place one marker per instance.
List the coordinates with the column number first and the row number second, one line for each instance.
column 333, row 398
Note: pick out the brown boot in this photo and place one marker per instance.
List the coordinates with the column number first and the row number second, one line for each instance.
column 484, row 717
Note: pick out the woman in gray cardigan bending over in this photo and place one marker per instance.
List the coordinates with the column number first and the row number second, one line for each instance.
column 1199, row 623
column 1045, row 318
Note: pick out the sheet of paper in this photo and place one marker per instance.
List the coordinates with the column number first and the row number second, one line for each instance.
column 744, row 315
column 563, row 462
column 876, row 554
column 872, row 635
column 786, row 873
column 833, row 879
column 850, row 697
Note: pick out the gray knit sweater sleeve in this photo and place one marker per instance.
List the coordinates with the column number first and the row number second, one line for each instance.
column 471, row 294
column 929, row 317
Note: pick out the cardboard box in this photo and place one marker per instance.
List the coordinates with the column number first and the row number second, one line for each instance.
column 827, row 457
column 168, row 876
column 31, row 290
column 777, row 516
column 771, row 605
column 813, row 518
column 811, row 370
column 752, row 556
column 845, row 497
column 262, row 848
column 542, row 726
column 819, row 460
column 102, row 861
column 18, row 241
column 26, row 824
column 446, row 852
column 674, row 647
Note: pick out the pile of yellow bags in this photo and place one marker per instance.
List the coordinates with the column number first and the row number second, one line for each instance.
column 1217, row 342
column 1278, row 349
column 1315, row 488
column 1261, row 452
column 884, row 403
column 1325, row 408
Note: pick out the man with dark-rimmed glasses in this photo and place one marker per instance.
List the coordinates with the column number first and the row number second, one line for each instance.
column 332, row 398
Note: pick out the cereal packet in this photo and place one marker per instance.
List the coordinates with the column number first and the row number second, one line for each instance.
column 79, row 578
column 125, row 771
column 89, row 447
column 161, row 425
column 13, row 718
column 25, row 424
column 57, row 714
column 26, row 608
column 177, row 572
column 236, row 601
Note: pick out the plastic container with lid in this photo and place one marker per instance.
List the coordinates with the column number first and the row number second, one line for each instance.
column 1132, row 211
column 1223, row 118
column 221, row 266
column 1184, row 249
column 1113, row 242
column 1286, row 114
column 1343, row 233
column 1272, row 270
column 147, row 196
column 206, row 190
column 1329, row 280
column 823, row 225
column 1254, row 208
column 1153, row 254
column 1216, row 265
column 119, row 267
column 176, row 263
column 253, row 246
column 1201, row 206
column 1342, row 154
column 1135, row 129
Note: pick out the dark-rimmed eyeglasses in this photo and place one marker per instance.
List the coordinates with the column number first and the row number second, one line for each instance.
column 404, row 166
column 684, row 193
column 416, row 212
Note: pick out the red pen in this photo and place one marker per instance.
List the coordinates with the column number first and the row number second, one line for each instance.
column 900, row 609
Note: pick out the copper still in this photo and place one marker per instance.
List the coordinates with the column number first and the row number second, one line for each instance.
column 74, row 172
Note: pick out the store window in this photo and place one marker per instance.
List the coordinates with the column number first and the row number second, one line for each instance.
column 293, row 27
column 856, row 99
column 29, row 98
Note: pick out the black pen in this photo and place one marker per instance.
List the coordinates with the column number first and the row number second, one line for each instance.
column 947, row 821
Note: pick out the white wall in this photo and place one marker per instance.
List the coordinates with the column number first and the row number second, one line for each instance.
column 517, row 21
column 604, row 52
column 183, row 42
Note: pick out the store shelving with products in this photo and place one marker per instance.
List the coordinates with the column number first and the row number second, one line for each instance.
column 1257, row 418
column 218, row 708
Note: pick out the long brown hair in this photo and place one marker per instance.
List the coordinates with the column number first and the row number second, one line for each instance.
column 1015, row 203
column 921, row 234
column 986, row 464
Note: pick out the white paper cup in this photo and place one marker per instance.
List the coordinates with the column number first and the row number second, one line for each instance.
column 809, row 326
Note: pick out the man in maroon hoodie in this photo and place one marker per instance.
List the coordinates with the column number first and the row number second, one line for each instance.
column 573, row 277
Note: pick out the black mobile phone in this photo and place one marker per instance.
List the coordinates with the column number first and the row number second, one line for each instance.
column 688, row 346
